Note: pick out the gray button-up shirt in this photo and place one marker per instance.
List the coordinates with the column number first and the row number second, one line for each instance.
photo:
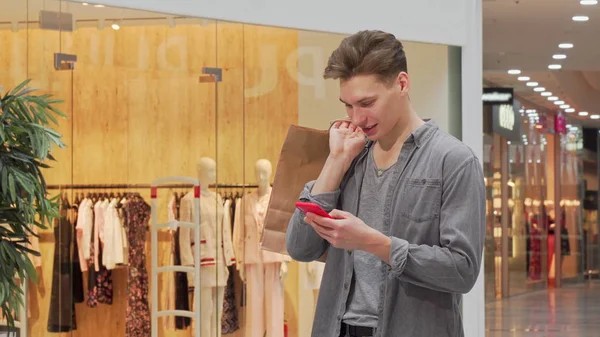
column 435, row 216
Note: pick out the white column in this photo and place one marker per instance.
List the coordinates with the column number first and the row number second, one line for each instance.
column 472, row 135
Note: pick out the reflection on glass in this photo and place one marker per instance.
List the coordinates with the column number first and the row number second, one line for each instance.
column 571, row 208
column 491, row 164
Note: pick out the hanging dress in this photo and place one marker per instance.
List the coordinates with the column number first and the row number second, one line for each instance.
column 230, row 320
column 61, row 314
column 100, row 282
column 138, row 311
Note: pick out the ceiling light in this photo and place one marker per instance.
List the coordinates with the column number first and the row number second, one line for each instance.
column 554, row 66
column 565, row 106
column 580, row 18
column 559, row 102
column 570, row 110
column 539, row 89
column 565, row 45
column 524, row 78
column 583, row 113
column 595, row 116
column 532, row 84
column 588, row 2
column 115, row 26
column 559, row 56
column 546, row 93
column 85, row 3
column 552, row 98
column 514, row 71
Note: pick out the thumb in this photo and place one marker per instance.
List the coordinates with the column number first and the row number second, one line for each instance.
column 338, row 214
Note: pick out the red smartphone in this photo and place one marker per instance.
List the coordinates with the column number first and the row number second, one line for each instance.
column 307, row 207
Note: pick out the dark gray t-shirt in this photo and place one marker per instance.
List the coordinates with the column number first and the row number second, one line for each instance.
column 363, row 299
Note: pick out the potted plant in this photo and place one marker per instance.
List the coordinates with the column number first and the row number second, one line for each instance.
column 26, row 142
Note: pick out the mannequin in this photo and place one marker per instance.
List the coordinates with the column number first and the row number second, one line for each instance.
column 262, row 271
column 215, row 256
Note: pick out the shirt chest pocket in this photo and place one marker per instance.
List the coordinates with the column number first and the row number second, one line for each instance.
column 421, row 198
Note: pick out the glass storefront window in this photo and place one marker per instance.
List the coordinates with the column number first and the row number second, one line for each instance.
column 153, row 95
column 571, row 208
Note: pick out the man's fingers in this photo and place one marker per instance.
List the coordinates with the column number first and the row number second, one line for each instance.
column 336, row 213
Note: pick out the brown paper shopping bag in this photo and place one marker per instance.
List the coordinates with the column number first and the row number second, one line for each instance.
column 302, row 157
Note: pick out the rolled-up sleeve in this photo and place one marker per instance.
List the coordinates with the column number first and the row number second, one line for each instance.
column 302, row 242
column 454, row 265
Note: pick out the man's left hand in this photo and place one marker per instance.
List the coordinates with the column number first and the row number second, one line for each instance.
column 346, row 231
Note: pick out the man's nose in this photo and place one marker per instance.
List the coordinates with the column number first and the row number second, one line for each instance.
column 359, row 119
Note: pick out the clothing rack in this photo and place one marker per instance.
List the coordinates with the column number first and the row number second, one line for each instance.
column 155, row 227
column 141, row 186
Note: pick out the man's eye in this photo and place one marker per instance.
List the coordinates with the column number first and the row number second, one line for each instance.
column 366, row 104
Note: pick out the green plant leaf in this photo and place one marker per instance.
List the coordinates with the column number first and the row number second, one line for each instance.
column 19, row 87
column 26, row 142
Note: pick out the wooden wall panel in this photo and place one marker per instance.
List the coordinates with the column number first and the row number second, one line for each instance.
column 230, row 104
column 270, row 107
column 139, row 113
column 271, row 94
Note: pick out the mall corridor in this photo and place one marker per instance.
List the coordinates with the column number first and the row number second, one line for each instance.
column 572, row 311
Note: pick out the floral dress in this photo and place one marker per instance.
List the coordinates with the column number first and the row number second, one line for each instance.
column 138, row 310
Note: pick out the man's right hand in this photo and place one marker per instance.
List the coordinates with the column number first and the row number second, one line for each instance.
column 345, row 140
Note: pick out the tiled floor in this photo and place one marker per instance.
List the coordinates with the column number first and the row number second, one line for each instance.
column 572, row 311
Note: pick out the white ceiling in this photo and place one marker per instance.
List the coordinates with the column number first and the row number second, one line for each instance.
column 524, row 34
column 16, row 10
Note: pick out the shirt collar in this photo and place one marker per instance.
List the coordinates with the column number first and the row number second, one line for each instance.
column 423, row 133
column 420, row 135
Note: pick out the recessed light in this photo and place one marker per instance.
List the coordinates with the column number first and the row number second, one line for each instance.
column 570, row 110
column 524, row 78
column 580, row 18
column 595, row 116
column 559, row 56
column 99, row 6
column 554, row 66
column 565, row 106
column 514, row 71
column 565, row 45
column 546, row 93
column 85, row 3
column 583, row 113
column 552, row 98
column 559, row 102
column 588, row 2
column 539, row 89
column 115, row 26
column 532, row 84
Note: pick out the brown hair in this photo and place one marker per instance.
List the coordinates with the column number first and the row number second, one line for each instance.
column 368, row 52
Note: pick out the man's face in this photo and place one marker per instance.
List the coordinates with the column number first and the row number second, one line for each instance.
column 372, row 105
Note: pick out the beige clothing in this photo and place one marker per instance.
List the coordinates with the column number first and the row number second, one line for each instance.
column 114, row 243
column 248, row 228
column 314, row 274
column 265, row 306
column 99, row 209
column 84, row 231
column 216, row 250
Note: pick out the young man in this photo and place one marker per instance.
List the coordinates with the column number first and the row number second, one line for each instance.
column 408, row 201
